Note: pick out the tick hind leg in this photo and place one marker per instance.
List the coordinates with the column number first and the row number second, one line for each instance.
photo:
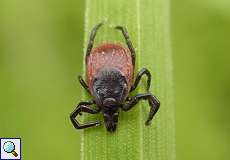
column 82, row 82
column 143, row 71
column 128, row 42
column 91, row 38
column 83, row 107
column 154, row 104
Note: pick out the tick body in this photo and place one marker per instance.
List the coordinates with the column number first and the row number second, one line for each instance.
column 109, row 79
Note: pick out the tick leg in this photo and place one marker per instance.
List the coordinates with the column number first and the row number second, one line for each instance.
column 82, row 107
column 143, row 71
column 91, row 38
column 82, row 82
column 154, row 104
column 128, row 42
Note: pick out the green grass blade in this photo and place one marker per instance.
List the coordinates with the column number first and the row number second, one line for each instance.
column 148, row 25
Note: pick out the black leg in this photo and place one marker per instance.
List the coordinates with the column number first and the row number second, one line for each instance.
column 91, row 38
column 138, row 78
column 153, row 102
column 82, row 107
column 128, row 42
column 82, row 82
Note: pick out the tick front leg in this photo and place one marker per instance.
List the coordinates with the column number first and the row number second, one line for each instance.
column 91, row 39
column 143, row 71
column 82, row 82
column 154, row 104
column 128, row 42
column 82, row 107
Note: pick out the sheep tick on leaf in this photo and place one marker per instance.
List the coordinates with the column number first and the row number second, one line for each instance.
column 109, row 79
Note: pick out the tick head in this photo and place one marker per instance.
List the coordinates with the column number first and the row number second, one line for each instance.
column 111, row 120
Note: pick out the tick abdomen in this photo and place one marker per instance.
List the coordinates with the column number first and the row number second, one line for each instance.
column 109, row 55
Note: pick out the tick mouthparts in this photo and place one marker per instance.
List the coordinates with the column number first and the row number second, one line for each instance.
column 111, row 126
column 109, row 102
column 111, row 120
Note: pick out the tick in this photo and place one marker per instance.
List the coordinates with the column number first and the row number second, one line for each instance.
column 109, row 79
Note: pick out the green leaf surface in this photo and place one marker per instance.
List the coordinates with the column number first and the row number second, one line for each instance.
column 148, row 25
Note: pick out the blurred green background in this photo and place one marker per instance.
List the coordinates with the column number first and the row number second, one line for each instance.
column 40, row 45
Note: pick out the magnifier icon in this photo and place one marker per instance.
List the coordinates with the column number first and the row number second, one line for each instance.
column 9, row 147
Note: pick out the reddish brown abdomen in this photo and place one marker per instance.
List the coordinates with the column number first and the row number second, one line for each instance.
column 112, row 55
